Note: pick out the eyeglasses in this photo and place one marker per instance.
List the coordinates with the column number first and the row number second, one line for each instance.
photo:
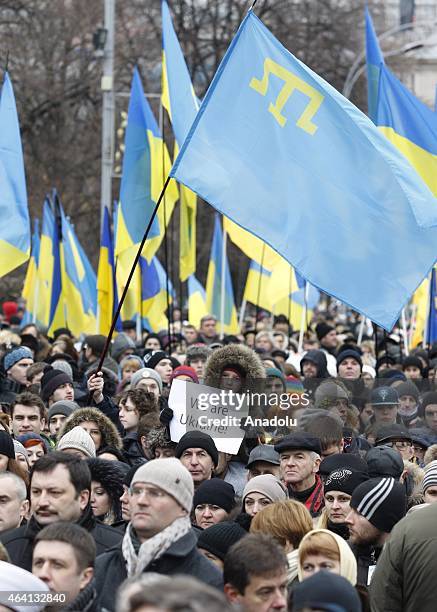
column 400, row 444
column 148, row 492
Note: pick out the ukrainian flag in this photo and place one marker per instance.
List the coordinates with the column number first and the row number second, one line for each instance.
column 107, row 296
column 146, row 165
column 196, row 301
column 257, row 290
column 15, row 229
column 46, row 264
column 180, row 101
column 31, row 280
column 57, row 314
column 292, row 305
column 431, row 327
column 408, row 123
column 78, row 283
column 154, row 295
column 251, row 245
column 217, row 260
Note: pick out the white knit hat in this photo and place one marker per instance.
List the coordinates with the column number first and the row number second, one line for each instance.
column 78, row 439
column 14, row 579
column 170, row 476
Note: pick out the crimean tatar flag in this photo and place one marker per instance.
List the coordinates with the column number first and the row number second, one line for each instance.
column 298, row 165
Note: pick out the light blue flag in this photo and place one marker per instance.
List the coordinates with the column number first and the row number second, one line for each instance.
column 15, row 226
column 283, row 154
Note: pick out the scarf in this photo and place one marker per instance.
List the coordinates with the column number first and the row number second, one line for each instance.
column 154, row 547
column 293, row 563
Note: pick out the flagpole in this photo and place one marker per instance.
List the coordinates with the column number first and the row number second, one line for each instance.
column 361, row 330
column 223, row 279
column 166, row 246
column 242, row 313
column 290, row 280
column 302, row 321
column 259, row 282
column 404, row 332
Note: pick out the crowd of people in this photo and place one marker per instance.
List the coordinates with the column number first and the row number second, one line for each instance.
column 100, row 510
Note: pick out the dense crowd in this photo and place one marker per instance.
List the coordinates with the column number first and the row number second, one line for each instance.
column 330, row 509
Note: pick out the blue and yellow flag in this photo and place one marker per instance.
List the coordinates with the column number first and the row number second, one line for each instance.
column 154, row 295
column 57, row 312
column 145, row 168
column 78, row 283
column 214, row 294
column 294, row 162
column 15, row 226
column 292, row 305
column 196, row 301
column 31, row 280
column 257, row 290
column 107, row 295
column 48, row 254
column 180, row 101
column 374, row 62
column 408, row 123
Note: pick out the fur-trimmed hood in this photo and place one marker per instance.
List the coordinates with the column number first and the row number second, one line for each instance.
column 110, row 435
column 234, row 355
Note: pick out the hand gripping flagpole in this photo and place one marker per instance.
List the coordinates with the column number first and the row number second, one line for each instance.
column 129, row 278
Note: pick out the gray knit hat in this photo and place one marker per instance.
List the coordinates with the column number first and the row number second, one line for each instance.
column 267, row 485
column 79, row 439
column 65, row 407
column 327, row 393
column 64, row 366
column 146, row 373
column 121, row 343
column 430, row 478
column 170, row 476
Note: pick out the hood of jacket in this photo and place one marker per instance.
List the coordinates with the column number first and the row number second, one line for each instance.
column 110, row 435
column 319, row 359
column 234, row 355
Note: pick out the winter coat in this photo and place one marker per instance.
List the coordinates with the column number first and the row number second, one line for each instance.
column 110, row 435
column 86, row 601
column 132, row 449
column 19, row 542
column 181, row 558
column 366, row 557
column 404, row 578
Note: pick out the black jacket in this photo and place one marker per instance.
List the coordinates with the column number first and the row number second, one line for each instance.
column 86, row 601
column 19, row 542
column 132, row 449
column 181, row 558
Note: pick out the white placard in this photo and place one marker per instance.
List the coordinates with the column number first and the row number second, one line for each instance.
column 213, row 411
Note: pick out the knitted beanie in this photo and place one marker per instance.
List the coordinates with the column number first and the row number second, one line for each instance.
column 170, row 476
column 122, row 343
column 64, row 366
column 344, row 480
column 408, row 388
column 349, row 354
column 152, row 359
column 430, row 478
column 33, row 439
column 51, row 380
column 20, row 450
column 65, row 407
column 79, row 439
column 6, row 445
column 267, row 485
column 145, row 373
column 216, row 492
column 184, row 371
column 323, row 329
column 326, row 591
column 197, row 439
column 16, row 355
column 382, row 501
column 218, row 538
